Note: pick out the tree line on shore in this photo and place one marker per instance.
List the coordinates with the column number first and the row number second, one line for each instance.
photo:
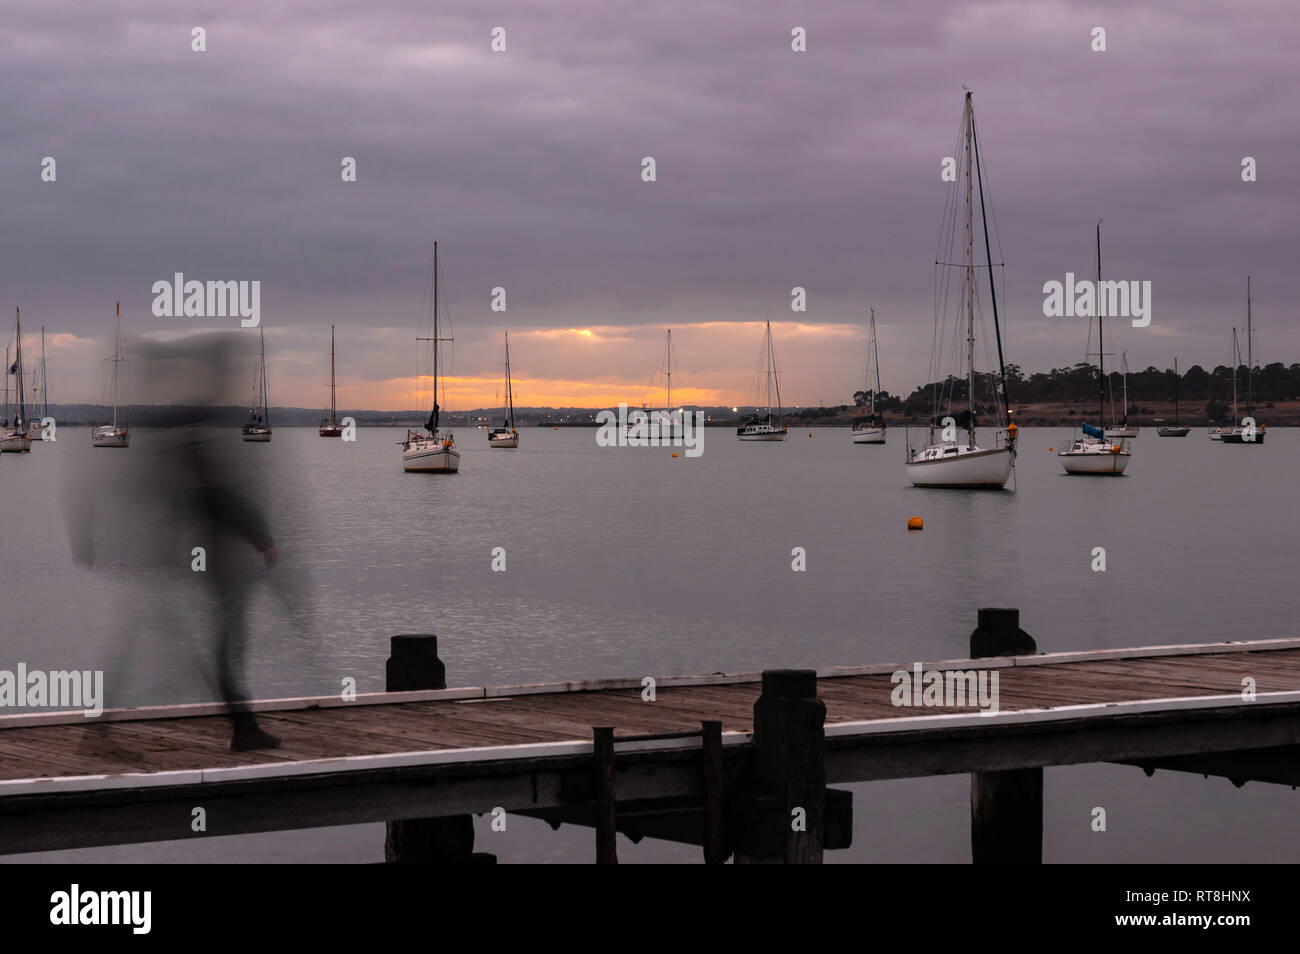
column 1078, row 385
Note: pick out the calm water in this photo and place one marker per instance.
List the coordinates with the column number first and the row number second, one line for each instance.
column 627, row 561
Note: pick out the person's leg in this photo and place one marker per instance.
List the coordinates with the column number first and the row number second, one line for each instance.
column 232, row 641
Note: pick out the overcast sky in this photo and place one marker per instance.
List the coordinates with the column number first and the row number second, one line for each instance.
column 774, row 169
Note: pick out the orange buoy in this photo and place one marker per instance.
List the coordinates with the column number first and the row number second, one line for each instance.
column 1051, row 448
column 674, row 453
column 914, row 523
column 1114, row 448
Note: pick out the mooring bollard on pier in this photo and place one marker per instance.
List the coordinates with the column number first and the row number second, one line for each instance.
column 1006, row 807
column 414, row 664
column 782, row 814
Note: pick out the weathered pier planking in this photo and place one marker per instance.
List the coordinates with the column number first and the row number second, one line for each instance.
column 719, row 761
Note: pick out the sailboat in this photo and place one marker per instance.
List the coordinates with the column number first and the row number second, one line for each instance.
column 1092, row 454
column 1176, row 429
column 258, row 427
column 111, row 435
column 433, row 452
column 1237, row 434
column 13, row 436
column 1216, row 433
column 669, row 420
column 1123, row 428
column 329, row 427
column 766, row 426
column 506, row 436
column 34, row 426
column 948, row 462
column 871, row 428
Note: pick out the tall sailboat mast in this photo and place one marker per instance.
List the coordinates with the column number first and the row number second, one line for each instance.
column 510, row 390
column 117, row 354
column 333, row 412
column 266, row 410
column 988, row 252
column 970, row 281
column 875, row 357
column 772, row 381
column 45, row 384
column 1250, row 351
column 19, row 408
column 434, row 418
column 669, row 406
column 1101, row 357
column 432, row 424
column 767, row 369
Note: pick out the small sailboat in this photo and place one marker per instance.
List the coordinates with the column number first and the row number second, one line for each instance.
column 1239, row 434
column 1216, row 433
column 1091, row 453
column 329, row 427
column 947, row 461
column 431, row 451
column 507, row 435
column 258, row 427
column 34, row 425
column 669, row 421
column 13, row 432
column 113, row 435
column 1176, row 429
column 766, row 426
column 1123, row 428
column 870, row 429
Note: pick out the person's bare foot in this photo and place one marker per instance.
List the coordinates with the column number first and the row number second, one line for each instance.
column 250, row 738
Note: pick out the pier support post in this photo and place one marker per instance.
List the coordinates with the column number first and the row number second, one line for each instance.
column 715, row 837
column 603, row 782
column 784, row 817
column 414, row 664
column 1006, row 808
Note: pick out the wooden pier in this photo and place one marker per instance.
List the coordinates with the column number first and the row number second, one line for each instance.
column 738, row 764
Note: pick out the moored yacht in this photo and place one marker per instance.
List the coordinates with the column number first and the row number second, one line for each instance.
column 431, row 451
column 1092, row 453
column 113, row 435
column 766, row 425
column 946, row 461
column 870, row 428
column 506, row 435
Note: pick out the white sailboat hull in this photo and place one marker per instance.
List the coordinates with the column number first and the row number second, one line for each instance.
column 15, row 442
column 869, row 435
column 1121, row 432
column 965, row 468
column 258, row 437
column 425, row 456
column 1095, row 460
column 503, row 440
column 110, row 437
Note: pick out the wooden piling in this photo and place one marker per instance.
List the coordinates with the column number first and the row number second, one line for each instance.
column 783, row 818
column 715, row 842
column 1006, row 807
column 413, row 663
column 603, row 783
